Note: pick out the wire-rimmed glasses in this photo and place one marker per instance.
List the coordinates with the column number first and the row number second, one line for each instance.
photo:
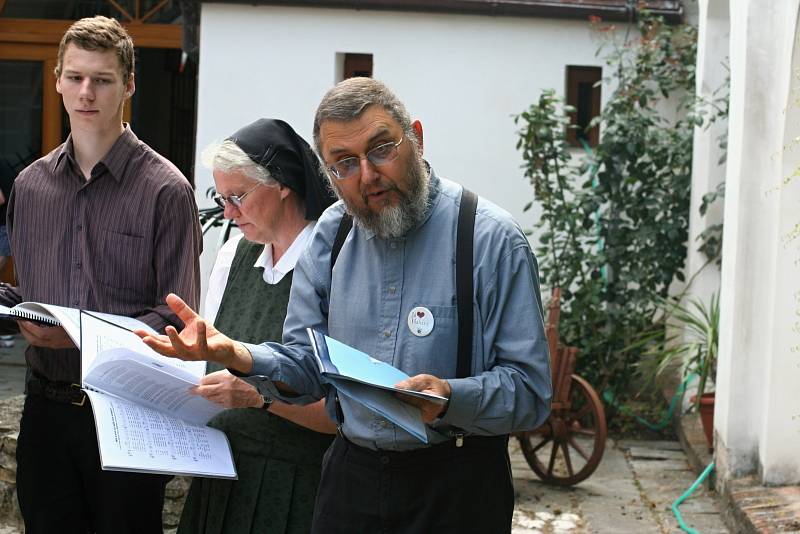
column 380, row 155
column 236, row 200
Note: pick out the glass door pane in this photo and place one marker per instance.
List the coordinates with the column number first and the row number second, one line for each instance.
column 20, row 115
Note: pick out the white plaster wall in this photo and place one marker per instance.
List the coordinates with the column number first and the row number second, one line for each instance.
column 462, row 76
column 780, row 432
column 707, row 172
column 756, row 379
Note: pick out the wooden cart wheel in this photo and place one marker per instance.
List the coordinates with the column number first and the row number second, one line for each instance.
column 568, row 447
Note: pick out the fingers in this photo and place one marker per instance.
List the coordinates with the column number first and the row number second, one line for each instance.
column 217, row 377
column 160, row 344
column 179, row 348
column 181, row 309
column 426, row 383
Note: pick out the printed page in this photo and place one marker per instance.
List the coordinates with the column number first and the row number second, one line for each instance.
column 197, row 369
column 131, row 376
column 98, row 335
column 135, row 438
column 117, row 361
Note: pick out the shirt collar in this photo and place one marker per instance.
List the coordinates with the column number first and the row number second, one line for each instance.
column 274, row 273
column 66, row 150
column 115, row 159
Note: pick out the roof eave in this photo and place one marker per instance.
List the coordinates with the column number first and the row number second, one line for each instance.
column 510, row 8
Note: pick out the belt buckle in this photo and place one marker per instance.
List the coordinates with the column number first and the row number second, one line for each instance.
column 83, row 397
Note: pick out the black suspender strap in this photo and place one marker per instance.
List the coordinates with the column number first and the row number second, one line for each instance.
column 345, row 224
column 341, row 234
column 464, row 272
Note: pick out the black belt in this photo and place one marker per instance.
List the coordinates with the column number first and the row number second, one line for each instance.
column 65, row 392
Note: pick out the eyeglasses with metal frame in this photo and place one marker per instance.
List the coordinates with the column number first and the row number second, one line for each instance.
column 380, row 155
column 236, row 200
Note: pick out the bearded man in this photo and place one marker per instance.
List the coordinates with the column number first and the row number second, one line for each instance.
column 392, row 293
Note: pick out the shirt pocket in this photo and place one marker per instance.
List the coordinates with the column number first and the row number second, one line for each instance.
column 434, row 354
column 124, row 264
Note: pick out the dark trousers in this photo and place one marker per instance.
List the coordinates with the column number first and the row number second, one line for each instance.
column 60, row 485
column 440, row 489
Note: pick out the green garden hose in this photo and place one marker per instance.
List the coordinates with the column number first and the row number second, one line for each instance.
column 686, row 495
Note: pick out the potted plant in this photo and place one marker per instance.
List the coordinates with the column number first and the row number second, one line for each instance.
column 688, row 335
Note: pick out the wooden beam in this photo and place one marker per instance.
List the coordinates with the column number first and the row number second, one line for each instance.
column 42, row 31
column 121, row 9
column 27, row 52
column 39, row 31
column 155, row 35
column 154, row 10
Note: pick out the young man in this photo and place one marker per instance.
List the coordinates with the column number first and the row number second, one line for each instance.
column 397, row 265
column 101, row 223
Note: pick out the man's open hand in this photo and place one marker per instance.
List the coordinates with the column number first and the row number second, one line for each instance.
column 197, row 341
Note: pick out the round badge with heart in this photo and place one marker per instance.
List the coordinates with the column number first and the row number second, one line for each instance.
column 420, row 321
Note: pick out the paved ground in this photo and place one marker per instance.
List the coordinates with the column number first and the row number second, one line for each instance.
column 12, row 369
column 631, row 491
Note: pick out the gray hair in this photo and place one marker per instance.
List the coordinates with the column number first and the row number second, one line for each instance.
column 228, row 157
column 347, row 100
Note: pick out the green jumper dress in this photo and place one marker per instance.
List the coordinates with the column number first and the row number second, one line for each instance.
column 278, row 462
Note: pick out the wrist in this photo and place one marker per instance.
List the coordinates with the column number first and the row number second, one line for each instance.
column 266, row 401
column 241, row 360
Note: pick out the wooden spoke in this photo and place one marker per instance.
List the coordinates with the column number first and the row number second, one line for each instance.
column 553, row 454
column 583, row 412
column 577, row 447
column 567, row 459
column 542, row 444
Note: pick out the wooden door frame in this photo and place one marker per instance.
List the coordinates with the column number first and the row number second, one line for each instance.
column 51, row 100
column 38, row 40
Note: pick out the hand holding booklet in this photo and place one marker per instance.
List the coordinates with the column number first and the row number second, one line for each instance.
column 146, row 418
column 370, row 382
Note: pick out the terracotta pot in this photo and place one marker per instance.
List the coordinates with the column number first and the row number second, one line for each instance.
column 707, row 417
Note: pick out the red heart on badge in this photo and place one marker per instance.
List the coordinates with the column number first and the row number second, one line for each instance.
column 420, row 314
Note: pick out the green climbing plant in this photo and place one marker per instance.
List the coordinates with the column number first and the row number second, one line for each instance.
column 614, row 225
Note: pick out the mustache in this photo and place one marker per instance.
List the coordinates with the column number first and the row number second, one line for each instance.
column 383, row 187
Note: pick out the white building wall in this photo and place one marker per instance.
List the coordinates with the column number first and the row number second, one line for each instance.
column 757, row 418
column 707, row 172
column 463, row 76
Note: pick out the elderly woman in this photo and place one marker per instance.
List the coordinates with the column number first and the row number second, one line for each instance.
column 268, row 181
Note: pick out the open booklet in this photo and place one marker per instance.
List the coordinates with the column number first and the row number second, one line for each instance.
column 146, row 419
column 370, row 382
column 68, row 318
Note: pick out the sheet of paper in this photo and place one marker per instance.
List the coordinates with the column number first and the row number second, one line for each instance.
column 135, row 438
column 130, row 376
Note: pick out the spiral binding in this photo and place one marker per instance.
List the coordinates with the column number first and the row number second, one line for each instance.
column 36, row 317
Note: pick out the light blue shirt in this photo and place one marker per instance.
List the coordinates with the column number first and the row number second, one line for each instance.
column 377, row 282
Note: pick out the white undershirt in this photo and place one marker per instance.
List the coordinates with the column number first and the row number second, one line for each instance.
column 272, row 273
